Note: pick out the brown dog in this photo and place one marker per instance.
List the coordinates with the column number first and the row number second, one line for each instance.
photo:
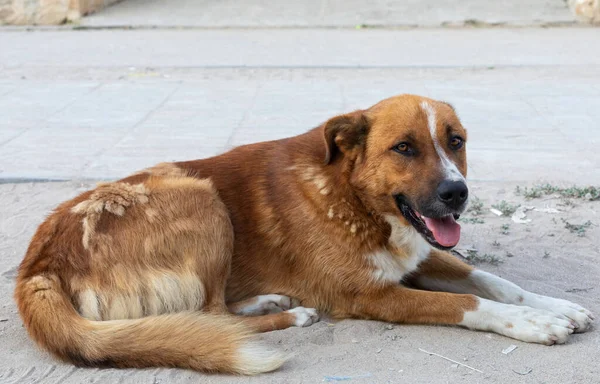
column 146, row 271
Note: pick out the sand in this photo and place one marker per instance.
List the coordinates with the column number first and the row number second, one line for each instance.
column 542, row 256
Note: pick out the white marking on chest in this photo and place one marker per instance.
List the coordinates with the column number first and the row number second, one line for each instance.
column 450, row 170
column 411, row 248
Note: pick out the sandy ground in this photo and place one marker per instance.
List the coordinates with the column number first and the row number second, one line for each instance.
column 542, row 256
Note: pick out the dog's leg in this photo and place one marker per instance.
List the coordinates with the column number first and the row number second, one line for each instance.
column 262, row 305
column 399, row 304
column 266, row 313
column 295, row 317
column 443, row 272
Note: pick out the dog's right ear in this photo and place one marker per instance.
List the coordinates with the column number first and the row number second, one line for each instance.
column 344, row 134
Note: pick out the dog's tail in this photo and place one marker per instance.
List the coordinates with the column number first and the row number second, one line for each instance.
column 204, row 342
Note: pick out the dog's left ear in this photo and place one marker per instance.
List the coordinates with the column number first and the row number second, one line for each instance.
column 344, row 134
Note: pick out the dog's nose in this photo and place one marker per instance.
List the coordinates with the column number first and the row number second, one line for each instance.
column 453, row 193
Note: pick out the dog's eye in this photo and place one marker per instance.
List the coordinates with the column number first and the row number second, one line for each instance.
column 456, row 143
column 404, row 149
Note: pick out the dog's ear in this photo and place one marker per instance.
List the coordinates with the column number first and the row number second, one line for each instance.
column 344, row 134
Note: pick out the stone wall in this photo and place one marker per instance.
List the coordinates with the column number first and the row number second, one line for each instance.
column 47, row 12
column 587, row 11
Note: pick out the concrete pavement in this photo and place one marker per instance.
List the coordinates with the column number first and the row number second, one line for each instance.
column 129, row 99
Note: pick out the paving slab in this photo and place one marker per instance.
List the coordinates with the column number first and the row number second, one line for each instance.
column 523, row 124
column 304, row 48
column 331, row 13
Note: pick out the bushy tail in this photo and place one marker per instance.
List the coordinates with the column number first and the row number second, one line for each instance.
column 191, row 340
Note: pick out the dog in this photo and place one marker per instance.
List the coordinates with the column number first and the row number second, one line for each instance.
column 180, row 264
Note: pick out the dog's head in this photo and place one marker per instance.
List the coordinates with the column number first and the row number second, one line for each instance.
column 405, row 156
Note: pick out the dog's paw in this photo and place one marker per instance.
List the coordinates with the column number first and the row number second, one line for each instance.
column 274, row 303
column 539, row 326
column 520, row 322
column 304, row 317
column 579, row 316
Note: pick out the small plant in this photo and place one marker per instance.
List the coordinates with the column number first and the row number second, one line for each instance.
column 508, row 254
column 506, row 208
column 527, row 193
column 475, row 207
column 505, row 229
column 588, row 193
column 496, row 243
column 492, row 259
column 579, row 229
column 475, row 257
column 471, row 220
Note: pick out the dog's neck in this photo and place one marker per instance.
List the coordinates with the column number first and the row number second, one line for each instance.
column 330, row 190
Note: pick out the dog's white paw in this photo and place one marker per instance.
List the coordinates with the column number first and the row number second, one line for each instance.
column 538, row 326
column 519, row 322
column 579, row 316
column 304, row 317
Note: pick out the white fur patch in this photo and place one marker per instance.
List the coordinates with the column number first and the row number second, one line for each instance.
column 304, row 316
column 158, row 294
column 519, row 322
column 389, row 267
column 125, row 307
column 253, row 357
column 450, row 170
column 496, row 288
column 481, row 284
column 319, row 180
column 88, row 305
column 168, row 293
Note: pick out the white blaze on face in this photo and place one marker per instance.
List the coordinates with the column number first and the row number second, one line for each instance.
column 450, row 170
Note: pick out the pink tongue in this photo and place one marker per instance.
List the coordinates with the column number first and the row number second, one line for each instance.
column 445, row 230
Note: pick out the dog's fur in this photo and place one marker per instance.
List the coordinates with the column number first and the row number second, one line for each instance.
column 147, row 271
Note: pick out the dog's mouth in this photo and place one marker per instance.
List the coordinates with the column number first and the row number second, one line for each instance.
column 441, row 232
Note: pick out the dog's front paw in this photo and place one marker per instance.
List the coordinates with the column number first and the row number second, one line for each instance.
column 520, row 322
column 304, row 316
column 579, row 316
column 539, row 326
